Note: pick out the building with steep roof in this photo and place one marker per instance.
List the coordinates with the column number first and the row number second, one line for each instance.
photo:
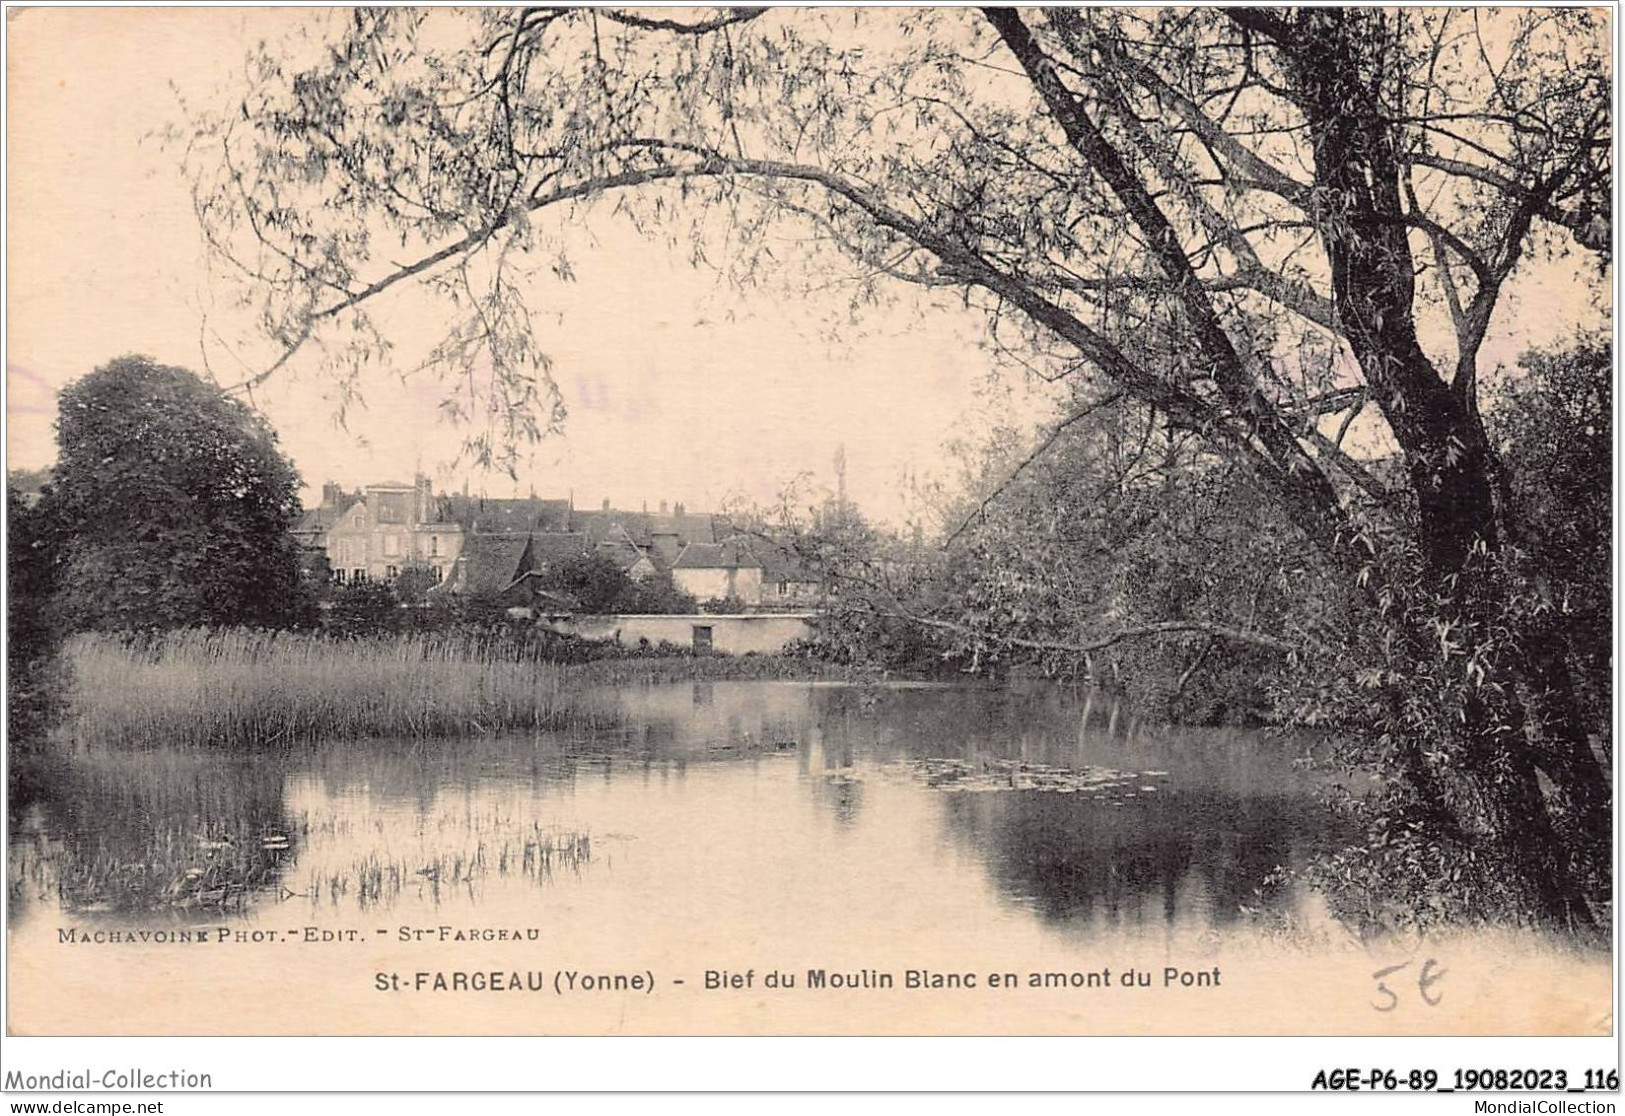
column 553, row 547
column 637, row 562
column 719, row 571
column 668, row 533
column 491, row 565
column 786, row 580
column 311, row 529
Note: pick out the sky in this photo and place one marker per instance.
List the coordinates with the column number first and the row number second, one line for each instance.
column 678, row 388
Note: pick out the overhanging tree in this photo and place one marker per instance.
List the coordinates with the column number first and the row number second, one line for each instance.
column 1252, row 221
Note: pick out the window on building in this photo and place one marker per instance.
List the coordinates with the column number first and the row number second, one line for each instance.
column 434, row 544
column 784, row 588
column 436, row 574
column 359, row 575
column 392, row 571
column 338, row 576
column 392, row 545
column 702, row 637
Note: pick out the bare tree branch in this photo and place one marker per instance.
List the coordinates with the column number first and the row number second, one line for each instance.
column 1501, row 182
column 703, row 27
column 1253, row 170
column 1292, row 472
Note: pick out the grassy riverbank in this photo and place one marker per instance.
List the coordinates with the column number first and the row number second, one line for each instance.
column 247, row 688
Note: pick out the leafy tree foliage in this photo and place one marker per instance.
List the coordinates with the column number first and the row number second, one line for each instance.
column 657, row 593
column 600, row 587
column 884, row 605
column 1117, row 552
column 1129, row 550
column 592, row 580
column 366, row 608
column 1253, row 223
column 1553, row 422
column 171, row 504
column 34, row 690
column 413, row 583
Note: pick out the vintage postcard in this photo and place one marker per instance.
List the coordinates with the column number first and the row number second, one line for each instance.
column 811, row 521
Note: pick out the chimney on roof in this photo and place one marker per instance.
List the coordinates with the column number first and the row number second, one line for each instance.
column 606, row 503
column 662, row 507
column 678, row 509
column 424, row 499
column 332, row 494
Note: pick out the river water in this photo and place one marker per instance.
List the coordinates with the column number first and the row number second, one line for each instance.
column 700, row 837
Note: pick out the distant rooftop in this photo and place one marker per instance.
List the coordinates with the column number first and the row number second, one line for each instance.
column 491, row 563
column 715, row 556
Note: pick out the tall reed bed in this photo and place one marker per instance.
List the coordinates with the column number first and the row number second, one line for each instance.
column 206, row 687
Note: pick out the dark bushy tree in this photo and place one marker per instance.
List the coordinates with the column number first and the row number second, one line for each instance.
column 598, row 586
column 657, row 593
column 363, row 608
column 172, row 504
column 33, row 623
column 1553, row 422
column 594, row 582
column 415, row 581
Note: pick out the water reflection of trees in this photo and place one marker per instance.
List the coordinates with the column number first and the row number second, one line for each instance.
column 139, row 836
column 1183, row 857
column 172, row 829
column 1194, row 851
column 841, row 794
column 149, row 831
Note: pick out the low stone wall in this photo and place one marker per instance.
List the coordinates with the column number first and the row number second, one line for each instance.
column 732, row 634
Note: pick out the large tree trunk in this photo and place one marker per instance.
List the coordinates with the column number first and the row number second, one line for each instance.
column 1551, row 844
column 1583, row 798
column 1473, row 765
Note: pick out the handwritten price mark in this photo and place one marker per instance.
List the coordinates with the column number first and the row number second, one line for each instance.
column 1429, row 975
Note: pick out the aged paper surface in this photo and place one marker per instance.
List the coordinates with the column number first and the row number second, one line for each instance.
column 697, row 857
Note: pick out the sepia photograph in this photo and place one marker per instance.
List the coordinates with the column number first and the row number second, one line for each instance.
column 812, row 521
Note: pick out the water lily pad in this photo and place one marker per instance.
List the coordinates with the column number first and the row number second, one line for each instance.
column 992, row 774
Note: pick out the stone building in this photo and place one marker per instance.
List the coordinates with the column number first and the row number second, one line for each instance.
column 384, row 530
column 719, row 571
column 474, row 545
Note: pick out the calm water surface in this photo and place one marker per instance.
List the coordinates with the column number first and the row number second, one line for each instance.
column 716, row 815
